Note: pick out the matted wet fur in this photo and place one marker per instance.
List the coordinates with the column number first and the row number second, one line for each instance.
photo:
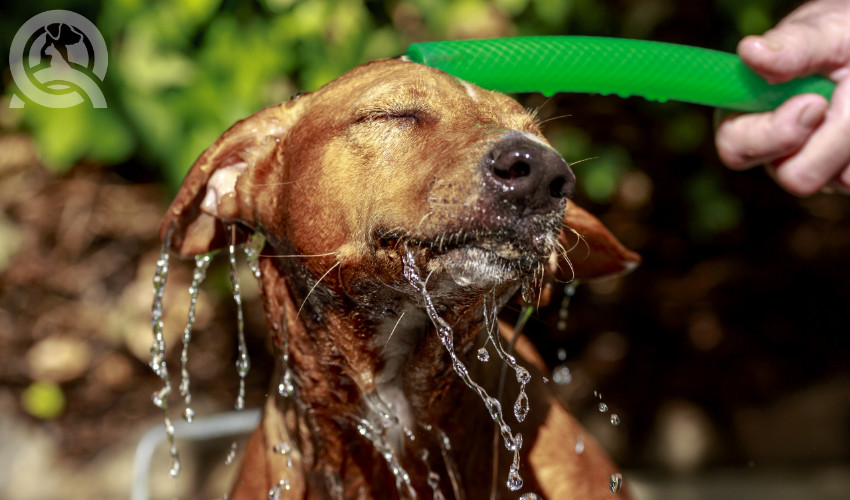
column 394, row 158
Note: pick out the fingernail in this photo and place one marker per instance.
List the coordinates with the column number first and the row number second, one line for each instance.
column 810, row 116
column 771, row 43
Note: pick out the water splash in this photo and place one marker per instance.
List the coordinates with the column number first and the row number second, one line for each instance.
column 615, row 482
column 512, row 442
column 202, row 263
column 521, row 405
column 158, row 363
column 243, row 363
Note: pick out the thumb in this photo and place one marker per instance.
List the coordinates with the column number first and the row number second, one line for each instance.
column 812, row 39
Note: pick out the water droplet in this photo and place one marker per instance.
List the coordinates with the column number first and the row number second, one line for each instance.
column 188, row 414
column 522, row 375
column 615, row 419
column 278, row 489
column 282, row 448
column 562, row 354
column 434, row 484
column 615, row 482
column 514, row 480
column 561, row 375
column 580, row 444
column 603, row 407
column 521, row 406
column 243, row 365
column 175, row 469
column 527, row 292
column 230, row 454
column 240, row 397
column 158, row 401
column 286, row 386
column 483, row 355
column 252, row 253
column 531, row 496
column 545, row 380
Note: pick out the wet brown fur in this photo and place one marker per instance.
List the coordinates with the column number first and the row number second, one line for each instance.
column 385, row 156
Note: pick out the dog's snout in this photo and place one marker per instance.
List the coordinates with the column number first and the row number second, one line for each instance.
column 530, row 175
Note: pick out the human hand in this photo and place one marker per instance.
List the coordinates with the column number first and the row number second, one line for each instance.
column 805, row 142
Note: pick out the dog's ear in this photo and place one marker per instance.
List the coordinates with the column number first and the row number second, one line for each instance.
column 592, row 250
column 222, row 186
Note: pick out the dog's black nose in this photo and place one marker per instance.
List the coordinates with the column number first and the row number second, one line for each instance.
column 530, row 175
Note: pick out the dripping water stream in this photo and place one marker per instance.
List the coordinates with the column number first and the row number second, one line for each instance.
column 525, row 314
column 522, row 375
column 376, row 434
column 243, row 363
column 202, row 263
column 512, row 442
column 158, row 364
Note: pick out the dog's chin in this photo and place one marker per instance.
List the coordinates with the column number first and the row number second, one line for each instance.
column 481, row 262
column 484, row 265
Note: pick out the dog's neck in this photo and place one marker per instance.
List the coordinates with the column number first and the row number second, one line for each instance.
column 371, row 372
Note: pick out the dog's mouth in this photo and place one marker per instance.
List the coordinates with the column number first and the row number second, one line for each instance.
column 483, row 256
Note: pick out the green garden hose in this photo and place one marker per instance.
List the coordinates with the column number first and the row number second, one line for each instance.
column 655, row 70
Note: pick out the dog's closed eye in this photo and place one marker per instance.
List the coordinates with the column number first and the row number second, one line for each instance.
column 403, row 116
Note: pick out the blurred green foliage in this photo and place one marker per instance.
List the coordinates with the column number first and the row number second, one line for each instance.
column 181, row 72
column 44, row 400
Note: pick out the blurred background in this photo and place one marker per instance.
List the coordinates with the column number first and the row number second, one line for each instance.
column 725, row 355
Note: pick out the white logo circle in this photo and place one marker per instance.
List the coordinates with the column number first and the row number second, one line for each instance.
column 58, row 59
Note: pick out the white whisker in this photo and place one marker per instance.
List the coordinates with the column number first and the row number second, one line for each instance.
column 300, row 255
column 314, row 287
column 392, row 332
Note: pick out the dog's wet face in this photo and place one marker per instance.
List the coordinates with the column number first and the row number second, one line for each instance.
column 395, row 157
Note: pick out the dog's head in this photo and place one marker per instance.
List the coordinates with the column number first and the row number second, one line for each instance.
column 395, row 157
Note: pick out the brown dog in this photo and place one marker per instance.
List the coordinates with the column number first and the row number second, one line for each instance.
column 416, row 204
